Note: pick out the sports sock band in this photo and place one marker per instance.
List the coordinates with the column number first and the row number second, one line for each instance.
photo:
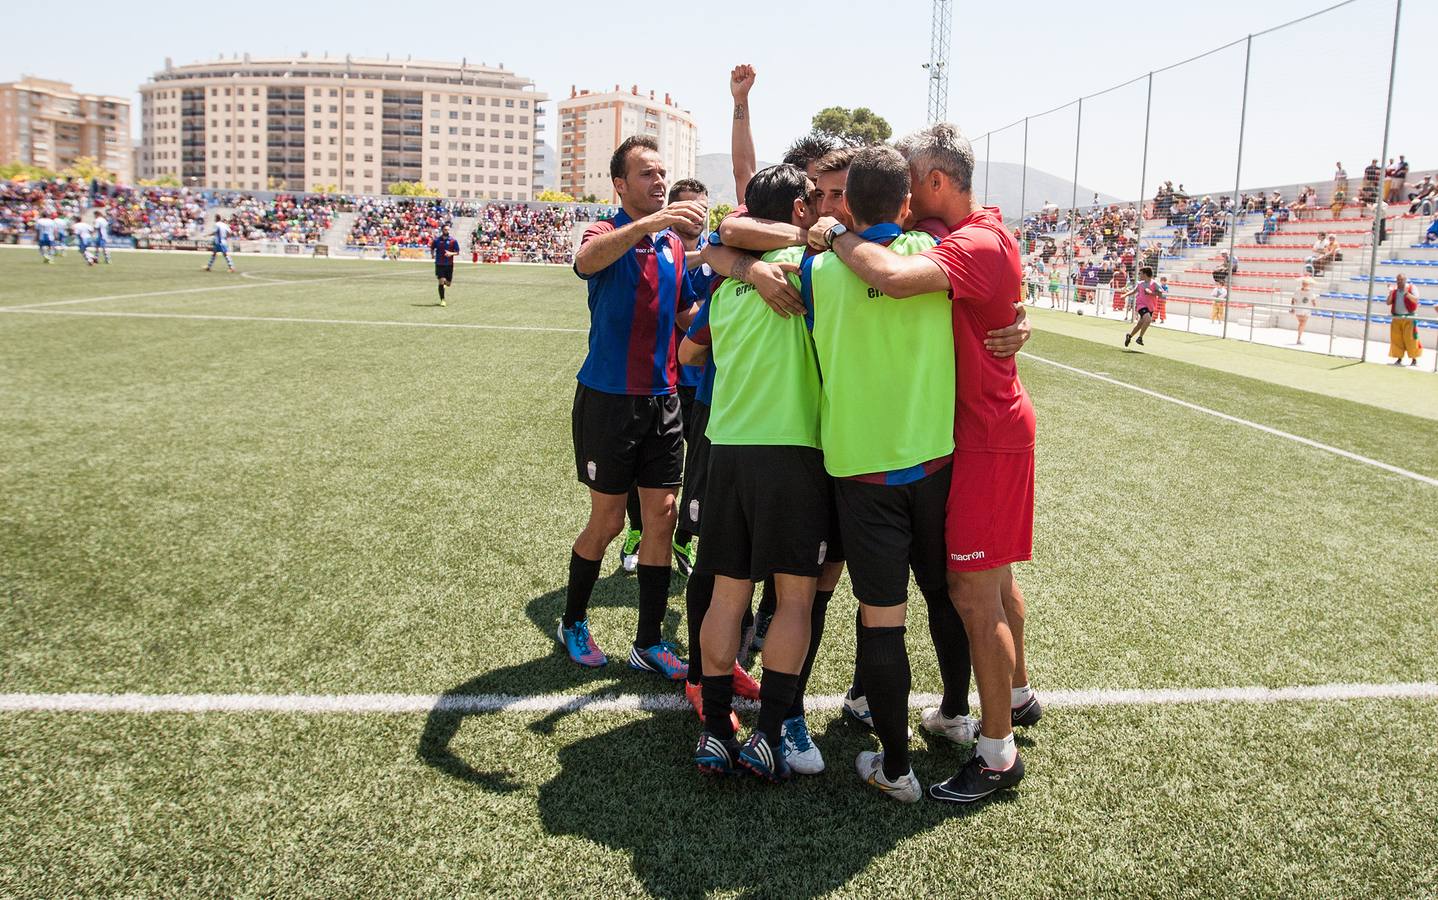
column 884, row 662
column 718, row 693
column 653, row 603
column 776, row 692
column 582, row 575
column 697, row 595
column 951, row 647
column 816, row 633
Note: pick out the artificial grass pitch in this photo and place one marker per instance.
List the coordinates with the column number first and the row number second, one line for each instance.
column 242, row 505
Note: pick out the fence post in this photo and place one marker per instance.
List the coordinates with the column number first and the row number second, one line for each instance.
column 1073, row 202
column 1142, row 187
column 1378, row 207
column 1237, row 174
column 1023, row 181
column 989, row 155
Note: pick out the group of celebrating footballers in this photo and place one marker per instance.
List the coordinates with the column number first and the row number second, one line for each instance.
column 92, row 238
column 856, row 321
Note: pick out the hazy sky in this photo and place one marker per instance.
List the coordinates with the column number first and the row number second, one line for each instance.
column 1316, row 91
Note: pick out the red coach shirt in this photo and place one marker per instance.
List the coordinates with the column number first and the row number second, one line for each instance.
column 981, row 259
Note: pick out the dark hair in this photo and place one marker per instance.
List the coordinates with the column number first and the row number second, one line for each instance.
column 877, row 184
column 771, row 192
column 619, row 162
column 807, row 149
column 686, row 186
column 836, row 160
column 1146, row 271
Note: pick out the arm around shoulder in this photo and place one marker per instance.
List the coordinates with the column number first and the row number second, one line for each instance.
column 895, row 275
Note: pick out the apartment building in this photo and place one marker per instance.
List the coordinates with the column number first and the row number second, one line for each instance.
column 356, row 125
column 592, row 125
column 49, row 124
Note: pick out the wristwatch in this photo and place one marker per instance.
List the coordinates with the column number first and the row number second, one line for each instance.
column 833, row 233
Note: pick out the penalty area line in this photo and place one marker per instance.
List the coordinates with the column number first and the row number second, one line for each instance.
column 361, row 704
column 1266, row 429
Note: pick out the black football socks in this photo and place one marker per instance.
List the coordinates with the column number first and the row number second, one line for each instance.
column 582, row 575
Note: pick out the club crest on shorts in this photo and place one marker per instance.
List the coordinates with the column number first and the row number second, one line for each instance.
column 823, row 551
column 592, row 469
column 694, row 510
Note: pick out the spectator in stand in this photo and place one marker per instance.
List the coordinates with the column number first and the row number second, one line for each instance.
column 1220, row 303
column 1431, row 234
column 1340, row 180
column 1118, row 282
column 1368, row 193
column 1226, row 267
column 1304, row 302
column 1423, row 197
column 1397, row 178
column 1403, row 330
column 1270, row 225
column 1313, row 264
column 1162, row 299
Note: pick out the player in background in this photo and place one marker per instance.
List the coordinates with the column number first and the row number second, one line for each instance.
column 45, row 237
column 84, row 238
column 625, row 420
column 887, row 430
column 1147, row 294
column 768, row 497
column 989, row 519
column 444, row 248
column 62, row 234
column 220, row 245
column 102, row 235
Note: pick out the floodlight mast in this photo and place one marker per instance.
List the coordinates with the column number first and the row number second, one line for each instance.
column 938, row 64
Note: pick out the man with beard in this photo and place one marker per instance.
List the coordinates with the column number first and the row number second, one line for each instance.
column 626, row 419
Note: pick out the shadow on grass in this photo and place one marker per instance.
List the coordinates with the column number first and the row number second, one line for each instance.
column 552, row 674
column 634, row 788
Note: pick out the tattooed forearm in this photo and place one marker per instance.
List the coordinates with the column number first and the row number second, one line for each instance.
column 739, row 111
column 740, row 272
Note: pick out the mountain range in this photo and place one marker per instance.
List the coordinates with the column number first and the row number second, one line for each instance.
column 716, row 170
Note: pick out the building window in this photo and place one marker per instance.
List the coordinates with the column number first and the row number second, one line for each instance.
column 319, row 107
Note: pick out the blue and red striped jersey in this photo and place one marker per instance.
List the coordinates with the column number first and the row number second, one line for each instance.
column 632, row 310
column 699, row 334
column 440, row 247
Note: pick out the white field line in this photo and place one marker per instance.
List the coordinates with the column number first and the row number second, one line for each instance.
column 359, row 704
column 199, row 290
column 1307, row 442
column 289, row 319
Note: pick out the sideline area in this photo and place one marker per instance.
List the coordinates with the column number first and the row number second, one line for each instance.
column 1386, row 387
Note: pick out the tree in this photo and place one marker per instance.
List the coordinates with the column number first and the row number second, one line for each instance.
column 167, row 179
column 854, row 128
column 325, row 189
column 87, row 168
column 589, row 198
column 548, row 196
column 717, row 212
column 18, row 171
column 412, row 189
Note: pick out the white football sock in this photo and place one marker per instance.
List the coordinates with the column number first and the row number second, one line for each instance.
column 998, row 753
column 1020, row 695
